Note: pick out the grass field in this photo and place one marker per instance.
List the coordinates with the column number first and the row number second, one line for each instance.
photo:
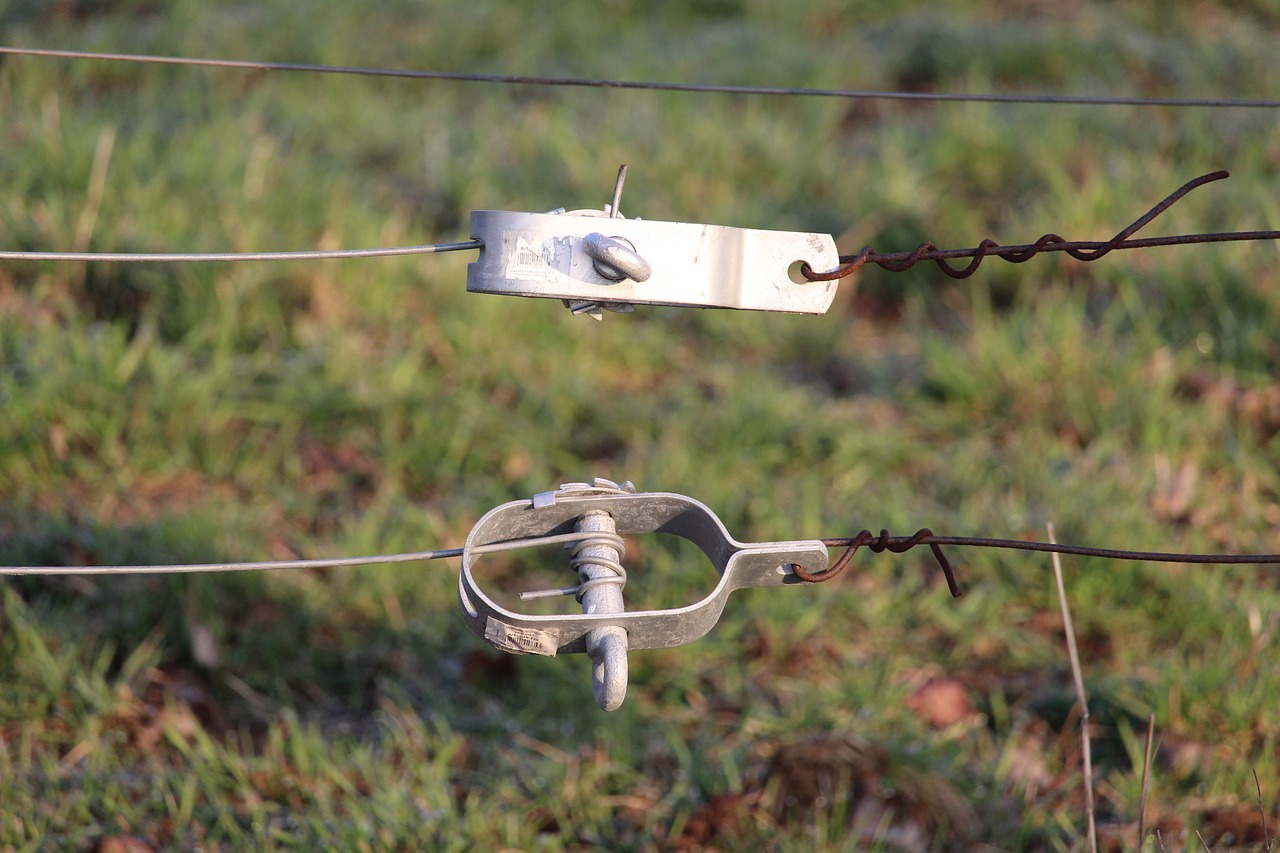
column 190, row 413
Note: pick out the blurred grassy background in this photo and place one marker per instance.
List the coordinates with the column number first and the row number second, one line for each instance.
column 254, row 411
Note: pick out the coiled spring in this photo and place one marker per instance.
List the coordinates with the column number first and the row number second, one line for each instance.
column 580, row 563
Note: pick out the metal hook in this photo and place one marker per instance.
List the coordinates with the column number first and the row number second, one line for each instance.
column 615, row 258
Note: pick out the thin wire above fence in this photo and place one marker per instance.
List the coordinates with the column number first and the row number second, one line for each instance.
column 709, row 88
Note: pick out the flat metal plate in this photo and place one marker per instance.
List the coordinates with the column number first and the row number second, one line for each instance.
column 706, row 266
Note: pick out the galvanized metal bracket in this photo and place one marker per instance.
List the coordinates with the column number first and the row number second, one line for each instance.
column 557, row 516
column 591, row 260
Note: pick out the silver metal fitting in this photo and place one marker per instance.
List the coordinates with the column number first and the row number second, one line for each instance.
column 705, row 266
column 567, row 256
column 581, row 513
column 615, row 258
column 599, row 564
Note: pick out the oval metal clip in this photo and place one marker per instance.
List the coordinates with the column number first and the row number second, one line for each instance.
column 527, row 523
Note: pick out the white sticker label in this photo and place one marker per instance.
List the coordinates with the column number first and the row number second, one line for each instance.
column 548, row 263
column 519, row 641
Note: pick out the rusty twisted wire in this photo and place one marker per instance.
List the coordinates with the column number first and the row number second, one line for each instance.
column 1081, row 250
column 924, row 536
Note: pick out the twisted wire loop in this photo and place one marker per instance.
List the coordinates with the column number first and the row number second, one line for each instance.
column 1081, row 250
column 925, row 536
column 877, row 545
column 579, row 562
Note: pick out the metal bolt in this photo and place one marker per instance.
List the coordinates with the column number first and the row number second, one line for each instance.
column 607, row 647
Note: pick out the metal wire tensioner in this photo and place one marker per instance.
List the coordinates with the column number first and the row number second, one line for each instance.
column 594, row 516
column 564, row 255
column 597, row 260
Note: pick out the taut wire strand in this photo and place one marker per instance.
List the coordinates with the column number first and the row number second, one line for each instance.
column 217, row 257
column 407, row 557
column 410, row 557
column 711, row 88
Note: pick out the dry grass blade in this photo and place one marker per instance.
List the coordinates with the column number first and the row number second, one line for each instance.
column 1146, row 780
column 1203, row 843
column 1074, row 654
column 1262, row 814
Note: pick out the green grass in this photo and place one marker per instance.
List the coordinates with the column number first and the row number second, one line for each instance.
column 254, row 411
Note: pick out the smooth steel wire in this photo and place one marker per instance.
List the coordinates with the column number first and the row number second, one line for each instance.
column 185, row 568
column 711, row 88
column 217, row 257
column 268, row 565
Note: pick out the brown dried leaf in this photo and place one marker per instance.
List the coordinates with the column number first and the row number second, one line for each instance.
column 721, row 818
column 941, row 703
column 123, row 844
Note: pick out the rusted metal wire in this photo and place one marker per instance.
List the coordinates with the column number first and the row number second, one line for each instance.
column 1081, row 250
column 878, row 544
column 925, row 536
